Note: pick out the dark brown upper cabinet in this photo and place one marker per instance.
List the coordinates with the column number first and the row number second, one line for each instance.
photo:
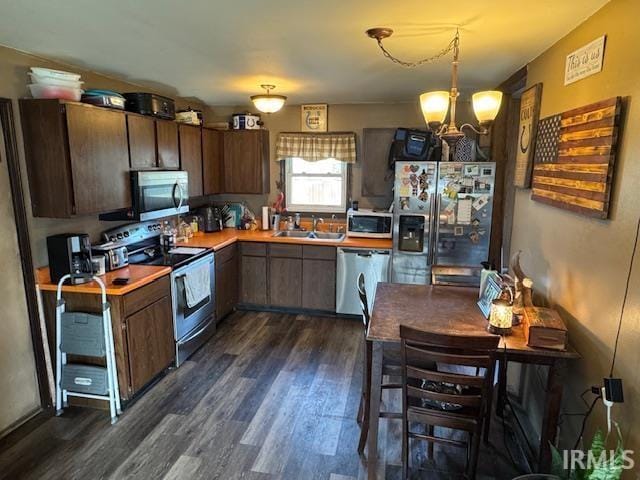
column 153, row 143
column 246, row 161
column 212, row 161
column 191, row 157
column 77, row 158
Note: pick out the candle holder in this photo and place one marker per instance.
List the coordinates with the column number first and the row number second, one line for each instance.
column 501, row 317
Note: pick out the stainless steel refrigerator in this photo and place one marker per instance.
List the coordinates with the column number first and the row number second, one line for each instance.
column 442, row 216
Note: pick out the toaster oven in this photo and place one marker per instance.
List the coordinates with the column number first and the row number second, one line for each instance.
column 369, row 223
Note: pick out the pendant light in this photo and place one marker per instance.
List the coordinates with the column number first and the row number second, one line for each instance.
column 435, row 105
column 268, row 103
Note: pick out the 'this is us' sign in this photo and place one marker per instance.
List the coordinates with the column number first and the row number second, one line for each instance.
column 585, row 61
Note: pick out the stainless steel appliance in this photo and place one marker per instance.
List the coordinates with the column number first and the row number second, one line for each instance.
column 193, row 326
column 369, row 223
column 155, row 194
column 150, row 104
column 442, row 216
column 375, row 264
column 114, row 256
column 212, row 219
column 70, row 253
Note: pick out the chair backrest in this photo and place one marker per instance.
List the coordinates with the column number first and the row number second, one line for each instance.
column 362, row 293
column 455, row 275
column 424, row 351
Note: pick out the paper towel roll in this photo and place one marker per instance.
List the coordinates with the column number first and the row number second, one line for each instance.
column 265, row 218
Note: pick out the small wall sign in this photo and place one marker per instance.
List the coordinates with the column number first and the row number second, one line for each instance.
column 527, row 129
column 585, row 61
column 314, row 117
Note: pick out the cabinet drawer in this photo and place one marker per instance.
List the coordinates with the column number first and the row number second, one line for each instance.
column 283, row 250
column 143, row 296
column 226, row 254
column 319, row 253
column 253, row 248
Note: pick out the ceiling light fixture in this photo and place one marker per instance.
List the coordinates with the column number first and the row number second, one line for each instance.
column 268, row 103
column 435, row 105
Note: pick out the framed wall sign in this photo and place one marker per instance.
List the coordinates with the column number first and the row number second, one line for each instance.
column 527, row 129
column 585, row 61
column 314, row 117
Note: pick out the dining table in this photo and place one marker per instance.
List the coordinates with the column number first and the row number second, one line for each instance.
column 453, row 310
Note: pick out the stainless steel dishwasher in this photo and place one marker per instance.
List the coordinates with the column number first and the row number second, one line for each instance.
column 351, row 262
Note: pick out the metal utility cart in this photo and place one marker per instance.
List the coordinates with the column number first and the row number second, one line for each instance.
column 88, row 335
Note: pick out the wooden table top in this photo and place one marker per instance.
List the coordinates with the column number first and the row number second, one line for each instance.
column 451, row 310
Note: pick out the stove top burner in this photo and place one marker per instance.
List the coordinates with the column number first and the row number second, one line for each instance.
column 155, row 255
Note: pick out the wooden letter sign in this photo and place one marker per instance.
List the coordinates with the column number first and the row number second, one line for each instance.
column 574, row 158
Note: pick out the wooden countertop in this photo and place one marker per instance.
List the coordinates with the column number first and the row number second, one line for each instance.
column 228, row 236
column 139, row 276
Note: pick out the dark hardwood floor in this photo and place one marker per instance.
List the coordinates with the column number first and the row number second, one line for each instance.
column 271, row 396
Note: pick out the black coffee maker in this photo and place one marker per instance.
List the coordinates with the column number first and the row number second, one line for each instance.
column 212, row 219
column 70, row 253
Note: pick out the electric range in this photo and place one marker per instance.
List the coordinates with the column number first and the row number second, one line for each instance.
column 193, row 321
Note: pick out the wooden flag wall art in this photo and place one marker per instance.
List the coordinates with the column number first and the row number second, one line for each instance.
column 575, row 156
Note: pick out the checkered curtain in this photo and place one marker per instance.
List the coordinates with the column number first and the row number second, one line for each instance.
column 313, row 147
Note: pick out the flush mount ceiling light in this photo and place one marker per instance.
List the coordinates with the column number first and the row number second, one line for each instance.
column 268, row 103
column 435, row 105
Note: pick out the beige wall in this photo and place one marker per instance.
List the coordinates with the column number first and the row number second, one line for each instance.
column 580, row 264
column 18, row 382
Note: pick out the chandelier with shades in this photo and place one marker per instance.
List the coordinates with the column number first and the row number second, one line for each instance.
column 435, row 105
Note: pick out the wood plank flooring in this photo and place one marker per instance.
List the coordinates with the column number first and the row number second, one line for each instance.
column 271, row 396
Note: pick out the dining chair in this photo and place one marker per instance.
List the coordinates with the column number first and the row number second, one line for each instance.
column 435, row 396
column 390, row 367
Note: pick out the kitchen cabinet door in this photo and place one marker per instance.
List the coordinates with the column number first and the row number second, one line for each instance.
column 246, row 161
column 99, row 157
column 212, row 171
column 319, row 284
column 226, row 282
column 253, row 280
column 168, row 153
column 285, row 278
column 150, row 342
column 191, row 157
column 142, row 142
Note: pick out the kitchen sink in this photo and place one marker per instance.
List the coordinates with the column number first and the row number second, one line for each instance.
column 327, row 236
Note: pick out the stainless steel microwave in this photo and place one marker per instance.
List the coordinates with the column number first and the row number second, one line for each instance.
column 155, row 194
column 369, row 223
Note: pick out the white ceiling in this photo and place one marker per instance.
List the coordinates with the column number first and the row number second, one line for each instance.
column 313, row 51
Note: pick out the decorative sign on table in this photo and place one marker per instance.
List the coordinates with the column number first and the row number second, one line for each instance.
column 314, row 117
column 574, row 158
column 529, row 112
column 585, row 61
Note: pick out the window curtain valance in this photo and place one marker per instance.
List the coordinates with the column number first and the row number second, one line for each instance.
column 313, row 147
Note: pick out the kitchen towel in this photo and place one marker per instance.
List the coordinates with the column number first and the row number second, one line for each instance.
column 197, row 285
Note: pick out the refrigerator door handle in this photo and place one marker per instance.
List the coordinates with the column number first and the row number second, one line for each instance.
column 436, row 232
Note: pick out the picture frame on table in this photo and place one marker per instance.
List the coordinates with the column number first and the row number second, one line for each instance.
column 490, row 291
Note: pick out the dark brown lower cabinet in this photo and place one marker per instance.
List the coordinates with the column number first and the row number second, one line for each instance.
column 285, row 277
column 150, row 342
column 288, row 276
column 253, row 280
column 319, row 284
column 226, row 281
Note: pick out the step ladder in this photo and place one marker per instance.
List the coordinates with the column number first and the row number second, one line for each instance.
column 89, row 335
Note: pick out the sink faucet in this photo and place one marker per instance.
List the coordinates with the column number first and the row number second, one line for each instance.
column 315, row 221
column 333, row 219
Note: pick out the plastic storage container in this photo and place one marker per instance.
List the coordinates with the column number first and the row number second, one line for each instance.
column 54, row 81
column 59, row 74
column 85, row 379
column 82, row 334
column 55, row 91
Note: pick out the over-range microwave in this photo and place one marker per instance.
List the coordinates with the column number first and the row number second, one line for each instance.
column 369, row 223
column 155, row 194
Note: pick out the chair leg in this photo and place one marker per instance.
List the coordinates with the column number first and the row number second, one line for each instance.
column 364, row 426
column 360, row 410
column 405, row 450
column 489, row 405
column 430, row 431
column 474, row 447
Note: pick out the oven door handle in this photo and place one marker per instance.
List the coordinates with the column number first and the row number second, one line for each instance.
column 196, row 334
